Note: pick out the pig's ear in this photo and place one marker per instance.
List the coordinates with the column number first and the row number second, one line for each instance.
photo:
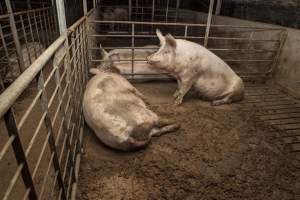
column 160, row 36
column 170, row 40
column 103, row 52
column 115, row 57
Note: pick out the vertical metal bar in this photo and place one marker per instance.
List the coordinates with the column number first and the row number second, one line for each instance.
column 167, row 10
column 94, row 3
column 177, row 7
column 60, row 6
column 60, row 97
column 84, row 7
column 4, row 46
column 15, row 36
column 49, row 26
column 48, row 124
column 283, row 37
column 46, row 31
column 18, row 149
column 32, row 35
column 153, row 10
column 29, row 4
column 218, row 7
column 42, row 31
column 185, row 32
column 37, row 32
column 132, row 49
column 208, row 23
column 54, row 16
column 129, row 9
column 26, row 41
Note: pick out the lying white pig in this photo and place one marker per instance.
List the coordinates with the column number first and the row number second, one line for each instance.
column 30, row 52
column 141, row 68
column 116, row 112
column 195, row 66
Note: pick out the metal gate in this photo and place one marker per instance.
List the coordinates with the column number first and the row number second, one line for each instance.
column 251, row 51
column 42, row 123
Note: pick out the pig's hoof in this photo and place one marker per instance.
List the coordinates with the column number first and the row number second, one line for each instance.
column 178, row 102
column 175, row 95
column 217, row 103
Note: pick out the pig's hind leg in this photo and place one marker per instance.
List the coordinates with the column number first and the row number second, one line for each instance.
column 158, row 131
column 163, row 126
column 224, row 99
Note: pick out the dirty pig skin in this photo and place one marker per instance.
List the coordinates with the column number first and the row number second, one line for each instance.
column 117, row 113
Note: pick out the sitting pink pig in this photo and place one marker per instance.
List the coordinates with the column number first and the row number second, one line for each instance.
column 195, row 66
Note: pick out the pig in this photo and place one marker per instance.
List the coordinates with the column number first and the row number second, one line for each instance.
column 117, row 113
column 141, row 68
column 195, row 66
column 30, row 52
column 117, row 14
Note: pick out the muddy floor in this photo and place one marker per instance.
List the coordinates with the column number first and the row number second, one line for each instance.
column 219, row 153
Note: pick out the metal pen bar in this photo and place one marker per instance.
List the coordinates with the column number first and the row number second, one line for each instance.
column 46, row 177
column 13, row 182
column 32, row 36
column 35, row 134
column 47, row 33
column 15, row 36
column 6, row 146
column 19, row 153
column 5, row 47
column 25, row 37
column 48, row 124
column 29, row 109
column 41, row 155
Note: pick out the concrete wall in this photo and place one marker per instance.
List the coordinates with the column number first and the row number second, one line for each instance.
column 287, row 70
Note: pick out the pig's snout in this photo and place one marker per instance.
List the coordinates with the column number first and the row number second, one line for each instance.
column 150, row 60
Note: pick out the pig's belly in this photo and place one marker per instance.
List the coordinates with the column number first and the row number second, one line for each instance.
column 210, row 88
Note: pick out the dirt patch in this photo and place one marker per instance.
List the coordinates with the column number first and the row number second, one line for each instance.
column 219, row 153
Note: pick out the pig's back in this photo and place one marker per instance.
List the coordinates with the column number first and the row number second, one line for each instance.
column 199, row 54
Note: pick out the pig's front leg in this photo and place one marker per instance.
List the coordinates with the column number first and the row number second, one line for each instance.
column 185, row 86
column 175, row 95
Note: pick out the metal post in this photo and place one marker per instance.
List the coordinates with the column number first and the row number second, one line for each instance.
column 208, row 23
column 218, row 7
column 129, row 9
column 132, row 50
column 84, row 7
column 15, row 35
column 60, row 6
column 167, row 10
column 94, row 3
column 153, row 9
column 29, row 4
